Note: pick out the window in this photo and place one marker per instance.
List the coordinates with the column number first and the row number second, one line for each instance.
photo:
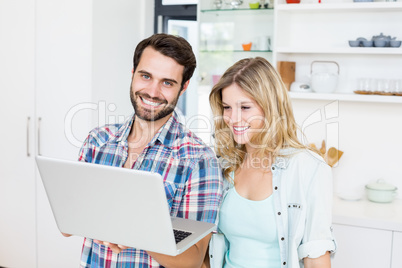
column 179, row 17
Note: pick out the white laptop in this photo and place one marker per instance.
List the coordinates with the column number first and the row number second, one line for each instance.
column 117, row 205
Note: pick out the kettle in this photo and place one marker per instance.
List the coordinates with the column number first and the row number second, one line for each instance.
column 324, row 81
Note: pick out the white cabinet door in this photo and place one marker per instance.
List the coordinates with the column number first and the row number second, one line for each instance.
column 63, row 78
column 17, row 180
column 397, row 250
column 362, row 247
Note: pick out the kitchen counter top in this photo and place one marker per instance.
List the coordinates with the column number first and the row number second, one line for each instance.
column 363, row 213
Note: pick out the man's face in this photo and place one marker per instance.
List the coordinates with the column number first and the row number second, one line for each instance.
column 155, row 88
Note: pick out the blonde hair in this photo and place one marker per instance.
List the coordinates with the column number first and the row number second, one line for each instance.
column 259, row 79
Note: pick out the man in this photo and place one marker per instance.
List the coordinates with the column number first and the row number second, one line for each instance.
column 154, row 140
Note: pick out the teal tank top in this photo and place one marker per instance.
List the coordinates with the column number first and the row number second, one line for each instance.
column 251, row 230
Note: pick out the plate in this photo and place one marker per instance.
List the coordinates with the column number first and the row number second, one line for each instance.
column 349, row 196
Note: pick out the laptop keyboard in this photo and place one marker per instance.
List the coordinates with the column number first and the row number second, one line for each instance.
column 180, row 235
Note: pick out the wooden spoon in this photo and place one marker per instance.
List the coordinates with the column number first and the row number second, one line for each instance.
column 312, row 145
column 333, row 155
column 323, row 148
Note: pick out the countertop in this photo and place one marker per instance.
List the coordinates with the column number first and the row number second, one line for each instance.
column 363, row 213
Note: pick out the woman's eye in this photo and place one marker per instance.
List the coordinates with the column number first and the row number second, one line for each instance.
column 226, row 107
column 245, row 107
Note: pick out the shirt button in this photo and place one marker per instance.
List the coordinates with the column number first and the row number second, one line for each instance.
column 273, row 168
column 279, row 213
column 284, row 263
column 276, row 187
column 282, row 238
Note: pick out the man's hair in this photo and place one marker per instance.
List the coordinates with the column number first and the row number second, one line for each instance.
column 171, row 46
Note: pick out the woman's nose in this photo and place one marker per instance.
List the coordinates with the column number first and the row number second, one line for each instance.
column 235, row 115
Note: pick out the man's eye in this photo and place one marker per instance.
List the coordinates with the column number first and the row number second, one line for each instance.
column 146, row 76
column 168, row 83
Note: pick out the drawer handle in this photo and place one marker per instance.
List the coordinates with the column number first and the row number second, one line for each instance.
column 28, row 121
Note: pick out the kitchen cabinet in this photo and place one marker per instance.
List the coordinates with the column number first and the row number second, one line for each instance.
column 310, row 31
column 17, row 180
column 362, row 247
column 62, row 81
column 321, row 32
column 52, row 53
column 396, row 250
column 45, row 70
column 60, row 61
column 304, row 33
column 368, row 234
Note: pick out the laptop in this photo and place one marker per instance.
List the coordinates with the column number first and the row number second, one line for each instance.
column 117, row 205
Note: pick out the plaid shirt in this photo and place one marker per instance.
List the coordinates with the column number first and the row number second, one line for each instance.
column 190, row 170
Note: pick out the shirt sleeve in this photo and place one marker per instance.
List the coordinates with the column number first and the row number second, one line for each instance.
column 318, row 237
column 203, row 192
column 87, row 150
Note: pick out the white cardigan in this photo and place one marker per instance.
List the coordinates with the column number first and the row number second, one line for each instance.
column 302, row 190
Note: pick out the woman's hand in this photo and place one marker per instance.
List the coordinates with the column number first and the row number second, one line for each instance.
column 323, row 261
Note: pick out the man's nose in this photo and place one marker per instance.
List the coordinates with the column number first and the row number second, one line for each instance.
column 154, row 89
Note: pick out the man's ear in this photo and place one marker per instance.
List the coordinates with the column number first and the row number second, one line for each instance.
column 185, row 86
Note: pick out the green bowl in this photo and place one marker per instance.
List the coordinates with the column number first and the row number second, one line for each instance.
column 254, row 5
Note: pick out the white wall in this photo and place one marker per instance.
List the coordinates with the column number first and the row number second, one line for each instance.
column 118, row 26
column 370, row 136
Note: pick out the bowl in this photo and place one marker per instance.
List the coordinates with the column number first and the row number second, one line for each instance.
column 247, row 46
column 354, row 43
column 254, row 5
column 367, row 43
column 395, row 43
column 380, row 43
column 381, row 192
column 293, row 1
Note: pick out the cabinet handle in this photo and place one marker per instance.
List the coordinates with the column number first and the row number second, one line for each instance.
column 39, row 122
column 28, row 121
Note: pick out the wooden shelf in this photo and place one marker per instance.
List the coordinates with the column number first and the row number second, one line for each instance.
column 345, row 97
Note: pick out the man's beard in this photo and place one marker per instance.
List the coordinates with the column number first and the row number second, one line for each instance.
column 150, row 115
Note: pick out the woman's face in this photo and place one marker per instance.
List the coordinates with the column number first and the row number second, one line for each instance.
column 242, row 114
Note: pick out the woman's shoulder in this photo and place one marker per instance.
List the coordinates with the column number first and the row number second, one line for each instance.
column 306, row 164
column 303, row 156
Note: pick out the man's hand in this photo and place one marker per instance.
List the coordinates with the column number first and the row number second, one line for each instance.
column 114, row 247
column 66, row 235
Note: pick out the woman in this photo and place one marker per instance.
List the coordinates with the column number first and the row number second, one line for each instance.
column 277, row 207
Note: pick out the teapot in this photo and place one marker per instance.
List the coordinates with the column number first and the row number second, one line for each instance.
column 386, row 38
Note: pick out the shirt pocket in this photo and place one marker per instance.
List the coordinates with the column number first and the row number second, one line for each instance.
column 294, row 214
column 174, row 195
